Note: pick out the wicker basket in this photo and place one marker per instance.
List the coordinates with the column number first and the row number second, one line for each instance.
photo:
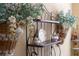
column 10, row 43
column 4, row 28
column 7, row 45
column 60, row 30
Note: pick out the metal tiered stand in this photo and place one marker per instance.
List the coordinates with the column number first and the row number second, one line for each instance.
column 47, row 43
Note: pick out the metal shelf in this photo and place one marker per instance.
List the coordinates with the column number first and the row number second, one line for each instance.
column 47, row 43
column 44, row 44
column 46, row 21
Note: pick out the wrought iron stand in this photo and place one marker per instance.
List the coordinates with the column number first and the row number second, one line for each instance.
column 40, row 46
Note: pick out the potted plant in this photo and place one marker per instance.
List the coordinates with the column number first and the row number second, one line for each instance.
column 21, row 12
column 18, row 12
column 66, row 21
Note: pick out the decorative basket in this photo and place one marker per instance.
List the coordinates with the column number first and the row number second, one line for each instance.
column 4, row 28
column 60, row 31
column 7, row 45
column 7, row 39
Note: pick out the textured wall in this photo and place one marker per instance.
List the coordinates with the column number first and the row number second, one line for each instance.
column 21, row 45
column 75, row 12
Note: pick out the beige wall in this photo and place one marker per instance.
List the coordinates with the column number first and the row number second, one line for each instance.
column 21, row 45
column 56, row 7
column 75, row 9
column 75, row 12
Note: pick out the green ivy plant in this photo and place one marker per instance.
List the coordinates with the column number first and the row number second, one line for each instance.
column 66, row 19
column 20, row 10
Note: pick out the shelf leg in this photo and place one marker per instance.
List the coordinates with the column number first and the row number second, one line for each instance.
column 38, row 50
column 41, row 51
column 51, row 50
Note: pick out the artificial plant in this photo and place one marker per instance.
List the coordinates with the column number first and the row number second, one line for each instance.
column 20, row 10
column 66, row 19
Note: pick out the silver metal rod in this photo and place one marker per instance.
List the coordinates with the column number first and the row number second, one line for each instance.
column 47, row 21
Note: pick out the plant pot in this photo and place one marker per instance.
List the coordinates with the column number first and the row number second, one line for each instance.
column 4, row 28
column 61, row 31
column 7, row 40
